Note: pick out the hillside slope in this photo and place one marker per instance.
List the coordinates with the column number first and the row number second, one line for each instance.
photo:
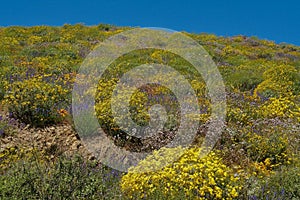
column 259, row 145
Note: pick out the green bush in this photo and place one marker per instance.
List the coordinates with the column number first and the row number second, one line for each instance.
column 273, row 147
column 284, row 183
column 35, row 177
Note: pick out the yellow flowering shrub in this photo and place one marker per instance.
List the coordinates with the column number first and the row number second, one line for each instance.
column 278, row 80
column 283, row 107
column 35, row 102
column 197, row 178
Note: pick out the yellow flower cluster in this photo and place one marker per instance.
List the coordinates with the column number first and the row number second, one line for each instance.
column 263, row 168
column 283, row 107
column 197, row 178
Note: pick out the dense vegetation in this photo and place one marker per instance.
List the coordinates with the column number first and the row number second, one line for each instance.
column 257, row 156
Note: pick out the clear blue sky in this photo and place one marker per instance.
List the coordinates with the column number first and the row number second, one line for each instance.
column 274, row 20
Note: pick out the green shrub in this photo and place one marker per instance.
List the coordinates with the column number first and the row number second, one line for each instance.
column 285, row 183
column 273, row 147
column 35, row 177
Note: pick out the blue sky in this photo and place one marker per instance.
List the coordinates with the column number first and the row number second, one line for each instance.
column 274, row 20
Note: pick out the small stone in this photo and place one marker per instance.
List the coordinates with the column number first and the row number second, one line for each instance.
column 5, row 141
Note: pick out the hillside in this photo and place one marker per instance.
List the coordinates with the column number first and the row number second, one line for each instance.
column 257, row 156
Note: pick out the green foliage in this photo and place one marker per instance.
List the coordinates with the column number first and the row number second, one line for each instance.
column 35, row 177
column 284, row 183
column 273, row 147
